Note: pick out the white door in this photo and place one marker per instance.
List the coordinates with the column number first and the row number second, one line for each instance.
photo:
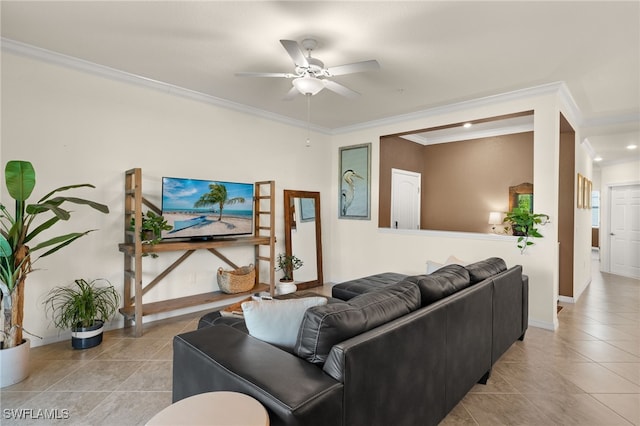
column 405, row 199
column 625, row 231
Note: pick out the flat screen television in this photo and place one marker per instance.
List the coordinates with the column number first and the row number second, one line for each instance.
column 206, row 209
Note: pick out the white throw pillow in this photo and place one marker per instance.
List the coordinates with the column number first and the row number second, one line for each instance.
column 433, row 266
column 454, row 260
column 278, row 321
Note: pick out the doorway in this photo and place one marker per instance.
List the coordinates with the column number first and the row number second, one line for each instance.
column 624, row 231
column 405, row 199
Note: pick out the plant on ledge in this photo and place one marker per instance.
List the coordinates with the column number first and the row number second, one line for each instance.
column 151, row 230
column 17, row 240
column 288, row 264
column 523, row 223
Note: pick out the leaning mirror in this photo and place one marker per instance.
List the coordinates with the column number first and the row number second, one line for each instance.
column 303, row 236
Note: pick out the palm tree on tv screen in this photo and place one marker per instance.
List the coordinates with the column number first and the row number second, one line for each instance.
column 217, row 195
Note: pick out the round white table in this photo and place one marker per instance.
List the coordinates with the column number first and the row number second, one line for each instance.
column 213, row 409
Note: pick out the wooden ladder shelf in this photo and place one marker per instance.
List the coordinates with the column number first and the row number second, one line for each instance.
column 263, row 240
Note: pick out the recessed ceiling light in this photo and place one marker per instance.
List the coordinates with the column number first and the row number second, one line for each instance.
column 466, row 125
column 632, row 146
column 598, row 158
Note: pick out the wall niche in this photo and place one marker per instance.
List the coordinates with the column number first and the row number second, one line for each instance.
column 465, row 172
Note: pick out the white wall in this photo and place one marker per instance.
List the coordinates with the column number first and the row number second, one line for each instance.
column 359, row 247
column 611, row 176
column 76, row 127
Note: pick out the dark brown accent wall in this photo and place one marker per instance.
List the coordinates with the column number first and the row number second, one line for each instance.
column 395, row 153
column 461, row 181
column 566, row 197
column 595, row 237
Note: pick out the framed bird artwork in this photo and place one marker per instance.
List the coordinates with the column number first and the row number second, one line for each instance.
column 355, row 182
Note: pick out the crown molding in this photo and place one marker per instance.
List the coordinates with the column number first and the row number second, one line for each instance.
column 483, row 130
column 614, row 120
column 570, row 107
column 589, row 148
column 545, row 89
column 27, row 50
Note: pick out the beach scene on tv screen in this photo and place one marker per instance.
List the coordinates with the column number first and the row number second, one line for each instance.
column 201, row 208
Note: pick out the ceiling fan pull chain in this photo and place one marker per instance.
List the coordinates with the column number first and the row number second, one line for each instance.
column 308, row 96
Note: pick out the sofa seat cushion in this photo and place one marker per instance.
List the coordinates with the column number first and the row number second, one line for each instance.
column 484, row 269
column 324, row 326
column 445, row 281
column 350, row 289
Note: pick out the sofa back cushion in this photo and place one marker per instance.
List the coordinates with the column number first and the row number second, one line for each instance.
column 324, row 326
column 440, row 284
column 485, row 268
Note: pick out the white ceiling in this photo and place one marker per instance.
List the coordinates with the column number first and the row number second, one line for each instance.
column 431, row 53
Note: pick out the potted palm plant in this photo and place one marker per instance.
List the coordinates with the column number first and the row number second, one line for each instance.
column 523, row 225
column 83, row 307
column 18, row 247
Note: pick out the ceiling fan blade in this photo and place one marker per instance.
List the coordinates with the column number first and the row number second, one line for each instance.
column 340, row 89
column 371, row 65
column 291, row 94
column 296, row 54
column 265, row 74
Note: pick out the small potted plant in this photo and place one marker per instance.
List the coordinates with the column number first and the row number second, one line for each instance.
column 83, row 307
column 287, row 264
column 151, row 230
column 523, row 224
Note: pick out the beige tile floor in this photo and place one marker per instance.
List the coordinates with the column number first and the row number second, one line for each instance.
column 585, row 373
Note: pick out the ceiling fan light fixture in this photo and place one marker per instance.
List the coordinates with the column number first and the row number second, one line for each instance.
column 308, row 85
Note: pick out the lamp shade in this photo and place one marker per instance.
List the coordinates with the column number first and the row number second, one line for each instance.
column 308, row 85
column 495, row 218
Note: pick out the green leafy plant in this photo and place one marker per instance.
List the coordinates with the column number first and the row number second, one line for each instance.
column 81, row 304
column 523, row 223
column 20, row 229
column 152, row 226
column 288, row 264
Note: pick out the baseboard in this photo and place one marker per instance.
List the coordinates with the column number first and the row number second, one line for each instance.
column 582, row 289
column 574, row 299
column 542, row 324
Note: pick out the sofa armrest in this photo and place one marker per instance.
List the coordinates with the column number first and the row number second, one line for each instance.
column 222, row 358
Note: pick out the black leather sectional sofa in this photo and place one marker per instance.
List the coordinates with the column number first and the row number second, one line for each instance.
column 388, row 350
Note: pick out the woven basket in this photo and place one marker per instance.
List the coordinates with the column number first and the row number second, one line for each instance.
column 237, row 281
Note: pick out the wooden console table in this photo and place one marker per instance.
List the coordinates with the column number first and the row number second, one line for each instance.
column 264, row 236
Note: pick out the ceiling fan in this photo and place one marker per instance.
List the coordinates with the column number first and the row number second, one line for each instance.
column 310, row 75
